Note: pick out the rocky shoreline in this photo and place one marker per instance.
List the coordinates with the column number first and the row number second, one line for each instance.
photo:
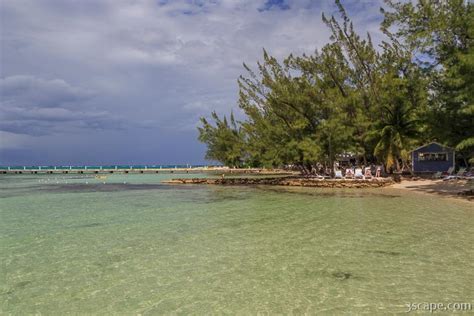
column 289, row 181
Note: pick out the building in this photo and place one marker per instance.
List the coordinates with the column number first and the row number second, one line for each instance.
column 346, row 159
column 432, row 157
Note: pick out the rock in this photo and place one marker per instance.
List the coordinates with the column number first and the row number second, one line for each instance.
column 288, row 181
column 467, row 192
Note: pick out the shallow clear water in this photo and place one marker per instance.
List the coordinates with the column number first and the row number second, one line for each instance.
column 68, row 246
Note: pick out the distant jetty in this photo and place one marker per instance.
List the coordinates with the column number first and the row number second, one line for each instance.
column 137, row 169
column 289, row 181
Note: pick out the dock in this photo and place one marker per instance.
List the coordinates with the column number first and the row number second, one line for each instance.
column 132, row 170
column 89, row 170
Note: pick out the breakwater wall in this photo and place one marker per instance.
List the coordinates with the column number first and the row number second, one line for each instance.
column 290, row 181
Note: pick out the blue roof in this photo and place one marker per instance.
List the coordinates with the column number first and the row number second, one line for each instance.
column 429, row 144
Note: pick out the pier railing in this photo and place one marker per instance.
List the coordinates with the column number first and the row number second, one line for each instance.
column 101, row 169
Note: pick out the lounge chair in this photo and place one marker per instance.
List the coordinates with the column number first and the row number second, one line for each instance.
column 358, row 174
column 327, row 174
column 349, row 174
column 450, row 171
column 458, row 175
column 368, row 173
column 338, row 174
column 469, row 174
column 461, row 173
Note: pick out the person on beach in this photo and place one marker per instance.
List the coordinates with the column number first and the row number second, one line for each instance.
column 378, row 172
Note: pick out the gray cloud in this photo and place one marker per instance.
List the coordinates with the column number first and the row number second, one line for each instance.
column 145, row 68
column 36, row 106
column 32, row 91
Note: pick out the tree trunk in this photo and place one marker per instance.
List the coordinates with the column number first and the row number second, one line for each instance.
column 405, row 165
column 331, row 158
column 397, row 165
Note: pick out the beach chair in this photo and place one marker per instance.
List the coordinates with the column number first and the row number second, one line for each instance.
column 458, row 175
column 358, row 173
column 368, row 173
column 450, row 171
column 327, row 174
column 469, row 174
column 338, row 174
column 349, row 174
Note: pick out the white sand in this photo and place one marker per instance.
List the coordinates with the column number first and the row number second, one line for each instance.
column 450, row 188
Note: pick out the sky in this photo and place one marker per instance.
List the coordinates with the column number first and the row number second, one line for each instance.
column 126, row 81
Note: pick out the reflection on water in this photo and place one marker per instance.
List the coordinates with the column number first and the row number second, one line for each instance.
column 133, row 245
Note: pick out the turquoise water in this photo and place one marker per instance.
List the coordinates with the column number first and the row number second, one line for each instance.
column 133, row 246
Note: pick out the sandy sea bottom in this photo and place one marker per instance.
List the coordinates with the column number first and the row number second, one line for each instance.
column 75, row 245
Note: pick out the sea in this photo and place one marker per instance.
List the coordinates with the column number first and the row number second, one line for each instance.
column 129, row 244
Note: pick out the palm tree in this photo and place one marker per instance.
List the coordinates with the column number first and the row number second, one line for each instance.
column 395, row 132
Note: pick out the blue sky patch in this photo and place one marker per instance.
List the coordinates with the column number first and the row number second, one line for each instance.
column 275, row 4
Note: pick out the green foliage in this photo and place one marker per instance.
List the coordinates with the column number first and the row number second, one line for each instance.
column 225, row 141
column 441, row 34
column 437, row 29
column 376, row 102
column 396, row 130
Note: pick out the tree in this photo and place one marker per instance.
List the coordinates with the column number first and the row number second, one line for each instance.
column 440, row 35
column 377, row 102
column 281, row 115
column 389, row 90
column 395, row 133
column 225, row 142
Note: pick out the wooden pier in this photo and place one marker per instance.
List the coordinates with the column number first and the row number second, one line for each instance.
column 101, row 170
column 95, row 170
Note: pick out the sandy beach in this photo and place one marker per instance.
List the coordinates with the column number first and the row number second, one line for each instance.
column 451, row 188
